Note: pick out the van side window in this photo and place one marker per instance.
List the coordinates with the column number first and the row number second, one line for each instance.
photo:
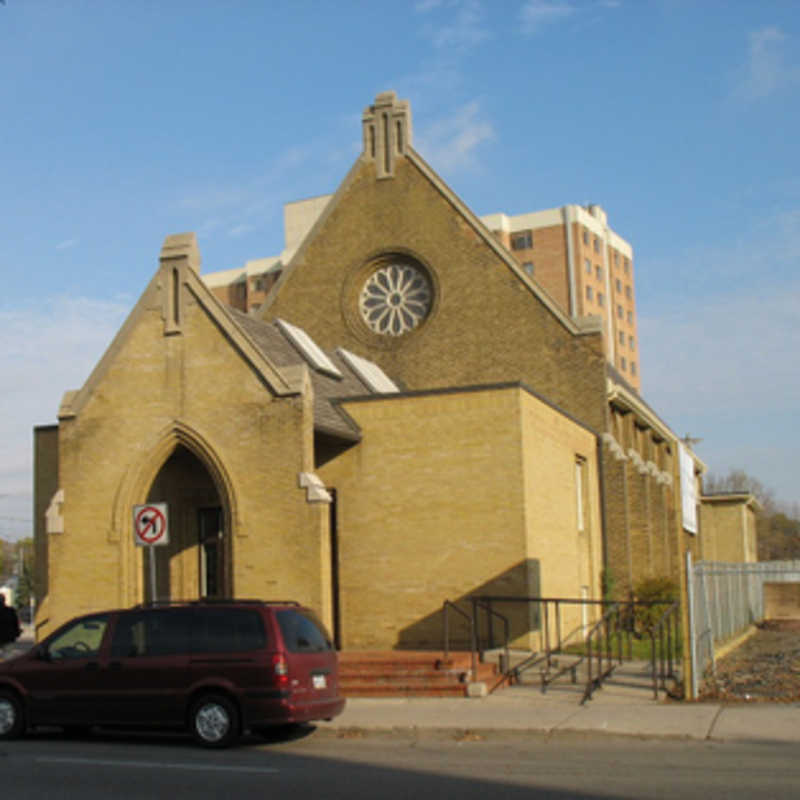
column 152, row 633
column 226, row 630
column 80, row 640
column 302, row 632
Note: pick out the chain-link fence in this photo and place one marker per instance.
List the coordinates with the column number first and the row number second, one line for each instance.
column 724, row 600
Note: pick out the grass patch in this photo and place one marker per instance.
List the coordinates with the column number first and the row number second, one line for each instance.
column 640, row 648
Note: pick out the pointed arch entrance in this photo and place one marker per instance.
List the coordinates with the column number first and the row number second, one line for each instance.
column 182, row 468
column 196, row 562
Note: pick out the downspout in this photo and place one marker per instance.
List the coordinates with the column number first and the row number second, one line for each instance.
column 601, row 485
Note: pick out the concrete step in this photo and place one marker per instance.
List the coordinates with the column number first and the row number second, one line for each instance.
column 399, row 689
column 414, row 679
column 408, row 674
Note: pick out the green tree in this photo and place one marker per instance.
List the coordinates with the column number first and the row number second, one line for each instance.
column 24, row 568
column 778, row 538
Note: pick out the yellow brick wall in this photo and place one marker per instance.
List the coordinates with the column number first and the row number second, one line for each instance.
column 486, row 326
column 727, row 531
column 570, row 559
column 445, row 498
column 197, row 383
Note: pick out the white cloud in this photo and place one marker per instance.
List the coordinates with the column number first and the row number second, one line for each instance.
column 695, row 356
column 763, row 252
column 537, row 14
column 67, row 244
column 768, row 68
column 451, row 142
column 239, row 208
column 44, row 350
column 461, row 28
column 719, row 356
column 424, row 6
column 241, row 229
column 724, row 368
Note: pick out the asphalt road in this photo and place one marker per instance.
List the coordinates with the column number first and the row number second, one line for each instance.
column 321, row 764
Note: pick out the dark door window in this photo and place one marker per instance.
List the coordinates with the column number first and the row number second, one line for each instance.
column 211, row 552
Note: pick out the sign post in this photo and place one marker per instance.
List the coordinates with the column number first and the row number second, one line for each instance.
column 150, row 530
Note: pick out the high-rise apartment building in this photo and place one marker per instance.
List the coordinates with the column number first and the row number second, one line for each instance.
column 246, row 288
column 570, row 251
column 584, row 266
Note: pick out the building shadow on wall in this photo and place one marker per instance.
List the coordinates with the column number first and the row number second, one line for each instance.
column 522, row 580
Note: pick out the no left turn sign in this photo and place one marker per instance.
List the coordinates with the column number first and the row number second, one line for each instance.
column 150, row 525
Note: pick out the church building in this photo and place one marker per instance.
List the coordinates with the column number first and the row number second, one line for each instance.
column 407, row 418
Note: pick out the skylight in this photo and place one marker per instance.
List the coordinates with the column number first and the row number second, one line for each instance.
column 309, row 349
column 375, row 378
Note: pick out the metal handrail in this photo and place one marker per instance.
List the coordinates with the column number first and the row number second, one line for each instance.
column 666, row 622
column 602, row 641
column 603, row 624
column 487, row 607
column 446, row 606
column 661, row 654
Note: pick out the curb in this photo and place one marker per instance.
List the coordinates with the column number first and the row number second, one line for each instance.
column 480, row 733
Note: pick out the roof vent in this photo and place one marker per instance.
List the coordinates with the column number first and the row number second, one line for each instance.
column 309, row 349
column 370, row 373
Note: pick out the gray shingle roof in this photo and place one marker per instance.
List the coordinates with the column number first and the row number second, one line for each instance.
column 328, row 417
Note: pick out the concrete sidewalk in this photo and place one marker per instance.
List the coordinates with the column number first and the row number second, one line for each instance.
column 624, row 707
column 516, row 711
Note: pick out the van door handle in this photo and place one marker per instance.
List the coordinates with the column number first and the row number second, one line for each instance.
column 115, row 665
column 92, row 665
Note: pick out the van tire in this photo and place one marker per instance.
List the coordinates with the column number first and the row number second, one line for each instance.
column 12, row 715
column 214, row 721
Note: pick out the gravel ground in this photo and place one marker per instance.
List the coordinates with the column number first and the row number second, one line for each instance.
column 765, row 667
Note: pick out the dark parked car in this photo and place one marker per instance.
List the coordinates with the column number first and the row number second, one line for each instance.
column 214, row 668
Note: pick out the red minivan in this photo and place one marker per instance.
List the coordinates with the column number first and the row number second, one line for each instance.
column 214, row 667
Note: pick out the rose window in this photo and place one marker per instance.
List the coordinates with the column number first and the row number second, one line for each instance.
column 395, row 299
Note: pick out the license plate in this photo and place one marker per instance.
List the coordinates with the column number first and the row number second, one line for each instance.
column 319, row 681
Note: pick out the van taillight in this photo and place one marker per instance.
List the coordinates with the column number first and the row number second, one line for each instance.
column 281, row 669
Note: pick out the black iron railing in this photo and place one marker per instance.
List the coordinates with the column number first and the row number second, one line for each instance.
column 599, row 644
column 603, row 651
column 447, row 608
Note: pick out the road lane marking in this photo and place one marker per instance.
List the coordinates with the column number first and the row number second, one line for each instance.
column 101, row 762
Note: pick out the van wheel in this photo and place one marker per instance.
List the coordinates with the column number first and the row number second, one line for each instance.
column 214, row 720
column 12, row 716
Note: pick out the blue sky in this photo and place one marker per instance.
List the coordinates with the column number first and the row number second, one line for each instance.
column 126, row 121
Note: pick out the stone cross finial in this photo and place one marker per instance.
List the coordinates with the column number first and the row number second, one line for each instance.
column 179, row 254
column 183, row 246
column 387, row 132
